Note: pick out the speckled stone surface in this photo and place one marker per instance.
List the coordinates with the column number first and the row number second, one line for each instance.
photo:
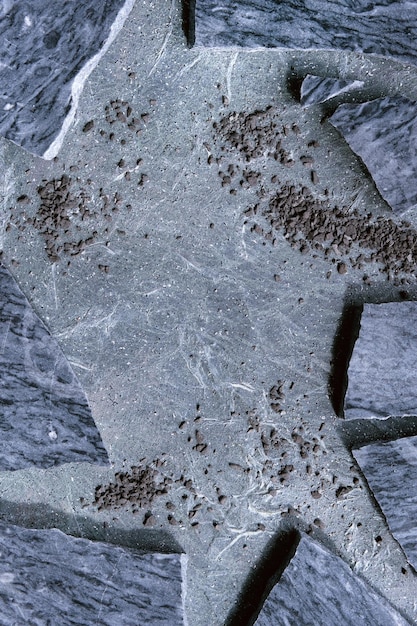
column 45, row 417
column 200, row 326
column 317, row 587
column 391, row 471
column 382, row 374
column 47, row 577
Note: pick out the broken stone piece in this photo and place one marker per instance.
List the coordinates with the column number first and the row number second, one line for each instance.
column 391, row 471
column 317, row 587
column 48, row 577
column 383, row 132
column 382, row 373
column 45, row 417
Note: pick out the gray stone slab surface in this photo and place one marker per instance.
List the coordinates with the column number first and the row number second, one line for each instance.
column 391, row 471
column 45, row 418
column 47, row 577
column 382, row 373
column 385, row 27
column 200, row 330
column 317, row 587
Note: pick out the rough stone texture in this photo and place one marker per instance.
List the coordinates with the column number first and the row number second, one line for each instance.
column 201, row 334
column 317, row 587
column 47, row 577
column 43, row 63
column 45, row 417
column 382, row 374
column 386, row 28
column 391, row 471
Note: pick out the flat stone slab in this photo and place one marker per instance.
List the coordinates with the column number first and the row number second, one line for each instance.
column 45, row 417
column 391, row 471
column 382, row 373
column 48, row 577
column 383, row 28
column 317, row 587
column 43, row 63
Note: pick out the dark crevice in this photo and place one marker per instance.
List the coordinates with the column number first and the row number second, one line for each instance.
column 41, row 516
column 265, row 575
column 346, row 336
column 188, row 21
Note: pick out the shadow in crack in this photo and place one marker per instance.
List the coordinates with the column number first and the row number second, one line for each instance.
column 275, row 558
column 346, row 336
column 188, row 21
column 42, row 516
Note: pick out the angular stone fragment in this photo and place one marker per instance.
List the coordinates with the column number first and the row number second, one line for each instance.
column 391, row 471
column 45, row 419
column 383, row 132
column 42, row 53
column 382, row 374
column 47, row 577
column 384, row 28
column 317, row 587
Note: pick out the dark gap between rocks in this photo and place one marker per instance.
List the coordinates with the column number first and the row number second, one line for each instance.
column 265, row 575
column 41, row 516
column 346, row 336
column 188, row 21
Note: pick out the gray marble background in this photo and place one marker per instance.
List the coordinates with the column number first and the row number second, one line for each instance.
column 318, row 588
column 384, row 27
column 47, row 577
column 45, row 418
column 382, row 374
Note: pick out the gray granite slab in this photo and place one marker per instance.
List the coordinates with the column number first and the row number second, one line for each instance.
column 45, row 57
column 317, row 587
column 391, row 471
column 48, row 577
column 45, row 418
column 384, row 27
column 382, row 373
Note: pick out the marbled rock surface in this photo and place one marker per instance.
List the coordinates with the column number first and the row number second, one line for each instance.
column 384, row 27
column 382, row 132
column 45, row 418
column 316, row 89
column 383, row 369
column 391, row 471
column 42, row 51
column 317, row 587
column 47, row 577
